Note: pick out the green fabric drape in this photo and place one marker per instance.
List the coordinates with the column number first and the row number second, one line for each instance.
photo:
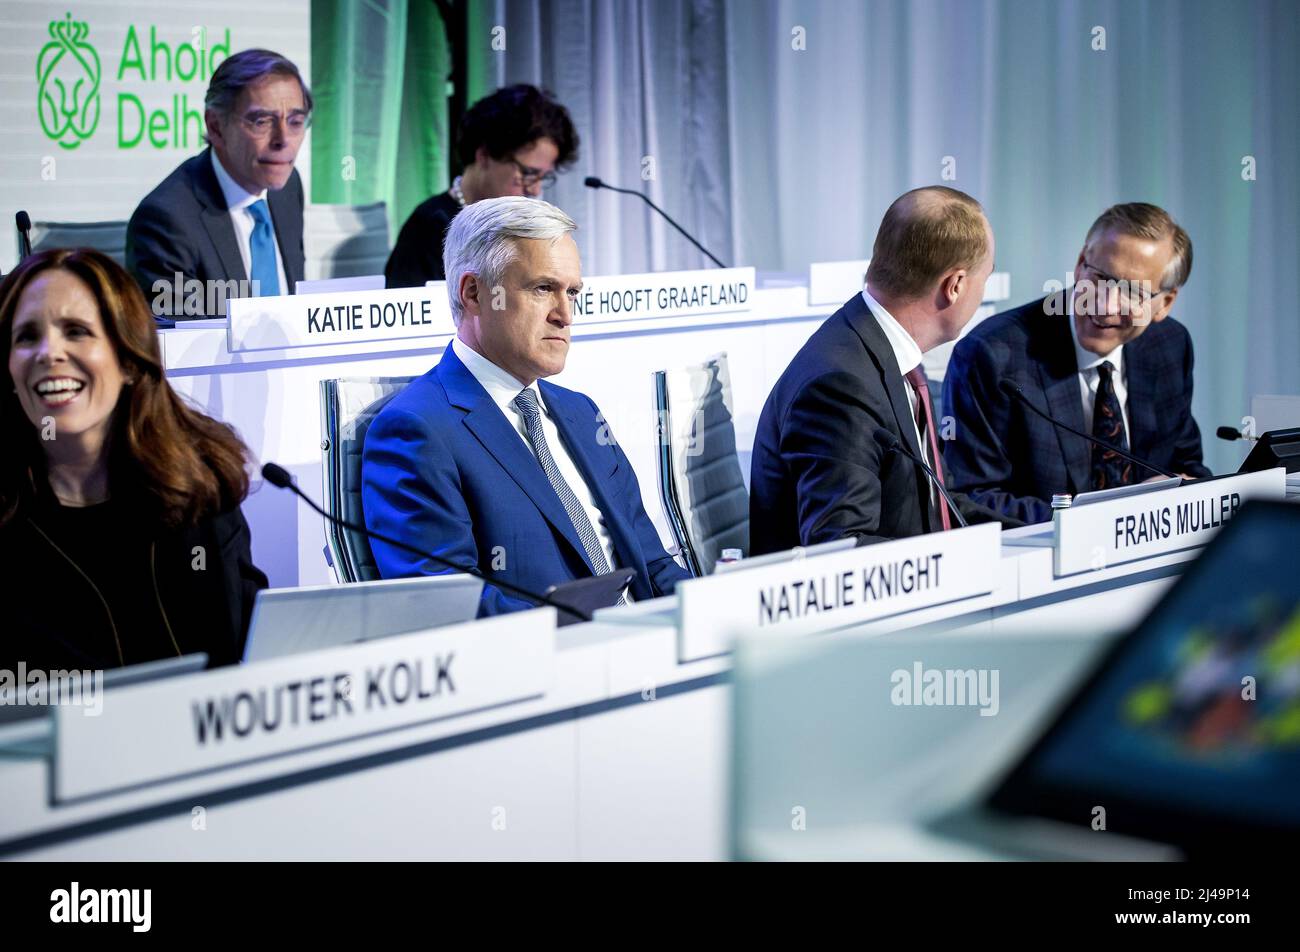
column 379, row 129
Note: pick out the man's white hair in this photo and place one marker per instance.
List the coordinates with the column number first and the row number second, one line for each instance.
column 481, row 240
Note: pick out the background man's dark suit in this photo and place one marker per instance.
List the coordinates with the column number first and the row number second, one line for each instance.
column 1012, row 460
column 417, row 256
column 184, row 225
column 817, row 474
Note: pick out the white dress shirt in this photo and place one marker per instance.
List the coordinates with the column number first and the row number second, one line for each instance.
column 237, row 201
column 908, row 354
column 1090, row 380
column 503, row 387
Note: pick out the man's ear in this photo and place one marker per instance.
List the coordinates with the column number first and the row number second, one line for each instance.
column 1165, row 308
column 482, row 157
column 470, row 289
column 953, row 285
column 212, row 122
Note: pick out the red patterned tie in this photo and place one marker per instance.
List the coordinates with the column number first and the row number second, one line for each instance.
column 925, row 422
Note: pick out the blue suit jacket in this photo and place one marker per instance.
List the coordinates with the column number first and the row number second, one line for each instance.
column 1008, row 458
column 445, row 471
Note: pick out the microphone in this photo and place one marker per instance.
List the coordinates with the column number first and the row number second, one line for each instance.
column 592, row 182
column 892, row 444
column 279, row 477
column 1011, row 390
column 24, row 223
column 1231, row 434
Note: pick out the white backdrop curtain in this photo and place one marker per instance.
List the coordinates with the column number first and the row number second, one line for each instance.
column 778, row 156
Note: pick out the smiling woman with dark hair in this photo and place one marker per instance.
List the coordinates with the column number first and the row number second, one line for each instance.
column 121, row 538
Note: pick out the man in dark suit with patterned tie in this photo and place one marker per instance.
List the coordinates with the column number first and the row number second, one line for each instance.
column 229, row 221
column 484, row 462
column 817, row 474
column 1103, row 357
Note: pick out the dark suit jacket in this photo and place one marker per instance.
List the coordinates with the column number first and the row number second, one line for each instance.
column 817, row 474
column 184, row 225
column 445, row 471
column 1012, row 460
column 417, row 256
column 56, row 618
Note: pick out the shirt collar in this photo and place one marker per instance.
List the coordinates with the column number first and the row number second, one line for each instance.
column 1085, row 359
column 906, row 351
column 500, row 385
column 235, row 194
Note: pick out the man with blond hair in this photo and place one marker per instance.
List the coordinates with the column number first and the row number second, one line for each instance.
column 817, row 473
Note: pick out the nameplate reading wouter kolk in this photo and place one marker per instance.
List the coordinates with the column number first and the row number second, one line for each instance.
column 338, row 317
column 1099, row 535
column 837, row 589
column 194, row 725
column 604, row 299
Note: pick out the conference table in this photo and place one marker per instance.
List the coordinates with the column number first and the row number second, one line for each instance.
column 510, row 738
column 270, row 392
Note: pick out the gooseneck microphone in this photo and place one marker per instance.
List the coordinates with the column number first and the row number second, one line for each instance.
column 1232, row 434
column 24, row 223
column 592, row 182
column 279, row 477
column 1011, row 390
column 892, row 444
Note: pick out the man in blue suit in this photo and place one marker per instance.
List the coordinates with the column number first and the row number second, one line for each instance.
column 483, row 462
column 1103, row 357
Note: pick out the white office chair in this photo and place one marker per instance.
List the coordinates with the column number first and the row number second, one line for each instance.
column 106, row 236
column 348, row 406
column 344, row 241
column 701, row 484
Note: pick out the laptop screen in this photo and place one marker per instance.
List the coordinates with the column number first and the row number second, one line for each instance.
column 1188, row 732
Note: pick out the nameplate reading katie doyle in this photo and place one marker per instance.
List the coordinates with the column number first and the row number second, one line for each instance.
column 1103, row 534
column 837, row 589
column 638, row 297
column 195, row 725
column 339, row 317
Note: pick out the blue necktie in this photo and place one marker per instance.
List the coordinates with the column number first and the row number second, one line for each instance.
column 526, row 404
column 261, row 251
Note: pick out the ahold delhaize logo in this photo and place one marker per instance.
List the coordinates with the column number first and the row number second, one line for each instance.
column 67, row 77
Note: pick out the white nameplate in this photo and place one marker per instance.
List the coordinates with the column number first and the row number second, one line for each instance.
column 837, row 589
column 340, row 317
column 638, row 297
column 834, row 282
column 1103, row 534
column 195, row 724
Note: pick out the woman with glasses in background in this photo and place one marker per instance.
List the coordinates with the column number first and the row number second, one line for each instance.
column 510, row 143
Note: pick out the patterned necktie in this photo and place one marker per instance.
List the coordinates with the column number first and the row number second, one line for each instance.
column 261, row 251
column 526, row 404
column 925, row 423
column 1109, row 469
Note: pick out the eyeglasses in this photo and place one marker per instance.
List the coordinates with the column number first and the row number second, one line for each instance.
column 530, row 177
column 1133, row 295
column 262, row 122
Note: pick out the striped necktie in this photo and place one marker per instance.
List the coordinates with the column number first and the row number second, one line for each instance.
column 526, row 404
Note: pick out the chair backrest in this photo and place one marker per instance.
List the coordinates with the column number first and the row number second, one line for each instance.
column 701, row 484
column 106, row 236
column 348, row 406
column 343, row 241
